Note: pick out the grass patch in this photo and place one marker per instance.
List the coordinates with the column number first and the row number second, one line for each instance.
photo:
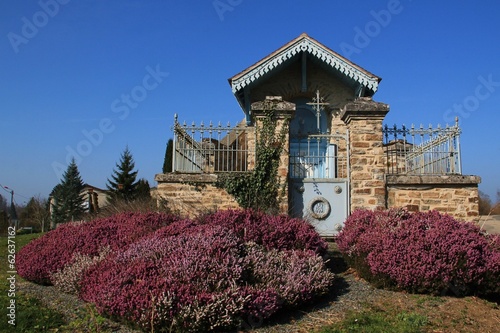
column 377, row 321
column 425, row 301
column 30, row 314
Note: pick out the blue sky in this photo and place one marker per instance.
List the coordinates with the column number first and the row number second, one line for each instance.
column 66, row 65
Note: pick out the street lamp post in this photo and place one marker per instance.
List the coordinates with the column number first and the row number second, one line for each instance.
column 13, row 214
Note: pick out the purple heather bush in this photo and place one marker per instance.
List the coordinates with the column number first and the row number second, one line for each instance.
column 296, row 276
column 41, row 258
column 363, row 227
column 205, row 279
column 45, row 255
column 278, row 232
column 421, row 252
column 68, row 279
column 160, row 272
column 189, row 270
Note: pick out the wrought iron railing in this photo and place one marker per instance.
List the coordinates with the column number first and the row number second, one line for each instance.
column 212, row 148
column 320, row 156
column 423, row 150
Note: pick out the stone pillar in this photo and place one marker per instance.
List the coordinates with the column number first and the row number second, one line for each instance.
column 363, row 118
column 283, row 112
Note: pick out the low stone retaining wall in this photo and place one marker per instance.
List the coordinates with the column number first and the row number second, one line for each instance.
column 190, row 195
column 455, row 195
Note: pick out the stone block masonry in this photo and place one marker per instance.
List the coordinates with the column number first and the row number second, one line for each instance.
column 190, row 195
column 455, row 195
column 363, row 118
column 283, row 111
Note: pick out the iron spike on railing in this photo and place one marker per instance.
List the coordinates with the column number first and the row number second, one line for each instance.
column 210, row 128
column 202, row 129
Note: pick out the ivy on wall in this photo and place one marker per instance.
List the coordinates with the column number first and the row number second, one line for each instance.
column 260, row 188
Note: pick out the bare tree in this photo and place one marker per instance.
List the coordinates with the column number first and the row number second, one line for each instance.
column 36, row 214
column 496, row 207
column 484, row 203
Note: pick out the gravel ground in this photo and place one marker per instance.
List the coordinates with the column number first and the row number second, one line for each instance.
column 349, row 293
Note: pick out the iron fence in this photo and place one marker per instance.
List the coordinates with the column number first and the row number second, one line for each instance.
column 320, row 156
column 423, row 150
column 212, row 148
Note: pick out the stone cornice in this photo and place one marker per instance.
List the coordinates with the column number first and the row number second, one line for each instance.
column 275, row 103
column 433, row 180
column 363, row 108
column 175, row 177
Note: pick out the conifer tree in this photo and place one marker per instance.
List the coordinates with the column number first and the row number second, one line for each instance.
column 143, row 189
column 167, row 162
column 122, row 185
column 68, row 203
column 3, row 203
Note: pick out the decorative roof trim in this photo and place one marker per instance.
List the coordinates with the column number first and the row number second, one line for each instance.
column 304, row 43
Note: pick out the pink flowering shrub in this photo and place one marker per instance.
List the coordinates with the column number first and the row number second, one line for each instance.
column 421, row 252
column 45, row 255
column 279, row 232
column 363, row 227
column 39, row 259
column 220, row 272
column 205, row 279
column 296, row 276
column 188, row 270
column 68, row 279
column 194, row 282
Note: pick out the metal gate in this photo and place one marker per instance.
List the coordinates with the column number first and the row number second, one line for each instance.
column 319, row 180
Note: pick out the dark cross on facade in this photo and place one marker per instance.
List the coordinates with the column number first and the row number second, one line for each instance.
column 318, row 106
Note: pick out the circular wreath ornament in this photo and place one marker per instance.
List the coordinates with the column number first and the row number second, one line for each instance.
column 319, row 208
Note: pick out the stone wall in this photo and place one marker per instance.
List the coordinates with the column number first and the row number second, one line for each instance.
column 455, row 195
column 370, row 185
column 190, row 195
column 283, row 112
column 363, row 118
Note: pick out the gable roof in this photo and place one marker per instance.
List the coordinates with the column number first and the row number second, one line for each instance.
column 304, row 43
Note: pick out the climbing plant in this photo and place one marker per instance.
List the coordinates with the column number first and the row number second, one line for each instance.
column 260, row 188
